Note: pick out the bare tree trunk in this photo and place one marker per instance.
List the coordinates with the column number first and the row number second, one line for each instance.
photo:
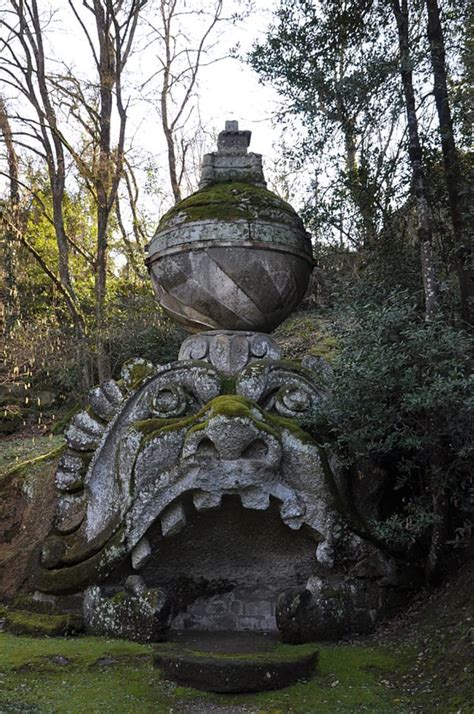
column 452, row 165
column 180, row 66
column 106, row 71
column 115, row 37
column 26, row 72
column 416, row 161
column 15, row 233
column 12, row 306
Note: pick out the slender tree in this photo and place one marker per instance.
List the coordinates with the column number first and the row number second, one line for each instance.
column 401, row 13
column 23, row 67
column 10, row 220
column 452, row 166
column 95, row 105
column 179, row 59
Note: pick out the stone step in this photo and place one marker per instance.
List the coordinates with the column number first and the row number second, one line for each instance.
column 235, row 661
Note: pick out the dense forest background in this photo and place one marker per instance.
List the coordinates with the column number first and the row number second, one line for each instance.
column 375, row 114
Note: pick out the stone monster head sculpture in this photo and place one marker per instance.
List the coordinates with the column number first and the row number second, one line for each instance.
column 208, row 453
column 186, row 432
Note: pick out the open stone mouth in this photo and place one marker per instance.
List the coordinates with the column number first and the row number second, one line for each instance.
column 253, row 495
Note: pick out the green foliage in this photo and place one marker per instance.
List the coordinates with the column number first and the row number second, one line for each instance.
column 403, row 397
column 137, row 327
column 335, row 66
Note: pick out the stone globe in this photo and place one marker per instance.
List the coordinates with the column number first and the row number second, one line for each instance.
column 233, row 255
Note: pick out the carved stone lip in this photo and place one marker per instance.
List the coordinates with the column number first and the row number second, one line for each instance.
column 205, row 245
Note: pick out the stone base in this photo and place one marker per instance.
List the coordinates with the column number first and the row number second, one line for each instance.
column 233, row 663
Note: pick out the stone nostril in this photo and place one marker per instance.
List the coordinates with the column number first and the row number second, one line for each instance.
column 257, row 449
column 206, row 448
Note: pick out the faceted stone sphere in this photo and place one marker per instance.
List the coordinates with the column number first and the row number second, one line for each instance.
column 232, row 256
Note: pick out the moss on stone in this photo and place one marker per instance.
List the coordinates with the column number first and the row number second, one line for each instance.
column 119, row 598
column 307, row 332
column 74, row 578
column 279, row 652
column 228, row 385
column 228, row 202
column 292, row 426
column 228, row 405
column 22, row 622
column 138, row 372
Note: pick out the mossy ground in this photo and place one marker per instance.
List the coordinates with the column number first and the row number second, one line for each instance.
column 306, row 333
column 37, row 624
column 419, row 664
column 72, row 675
column 14, row 452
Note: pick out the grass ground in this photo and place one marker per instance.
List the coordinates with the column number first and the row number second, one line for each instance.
column 77, row 675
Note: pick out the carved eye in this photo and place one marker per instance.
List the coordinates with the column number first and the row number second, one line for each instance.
column 170, row 401
column 292, row 401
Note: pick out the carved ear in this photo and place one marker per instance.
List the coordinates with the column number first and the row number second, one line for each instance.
column 288, row 390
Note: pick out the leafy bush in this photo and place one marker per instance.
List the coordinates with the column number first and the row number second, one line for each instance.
column 402, row 396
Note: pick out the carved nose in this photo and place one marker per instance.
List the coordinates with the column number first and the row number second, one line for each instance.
column 228, row 439
column 257, row 449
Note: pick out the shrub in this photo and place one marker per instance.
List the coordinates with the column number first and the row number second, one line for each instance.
column 402, row 396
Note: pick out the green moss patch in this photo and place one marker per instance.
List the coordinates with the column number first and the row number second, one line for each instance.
column 22, row 622
column 229, row 405
column 306, row 333
column 229, row 202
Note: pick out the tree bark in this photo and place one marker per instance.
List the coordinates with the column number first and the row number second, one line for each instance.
column 416, row 160
column 452, row 165
column 11, row 301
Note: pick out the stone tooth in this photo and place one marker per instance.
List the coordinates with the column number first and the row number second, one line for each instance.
column 325, row 553
column 84, row 432
column 291, row 512
column 255, row 499
column 70, row 512
column 84, row 421
column 70, row 462
column 135, row 585
column 141, row 553
column 100, row 404
column 68, row 480
column 112, row 392
column 205, row 500
column 173, row 519
column 70, row 472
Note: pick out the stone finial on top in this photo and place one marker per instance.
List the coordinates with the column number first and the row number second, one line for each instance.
column 231, row 161
column 233, row 141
